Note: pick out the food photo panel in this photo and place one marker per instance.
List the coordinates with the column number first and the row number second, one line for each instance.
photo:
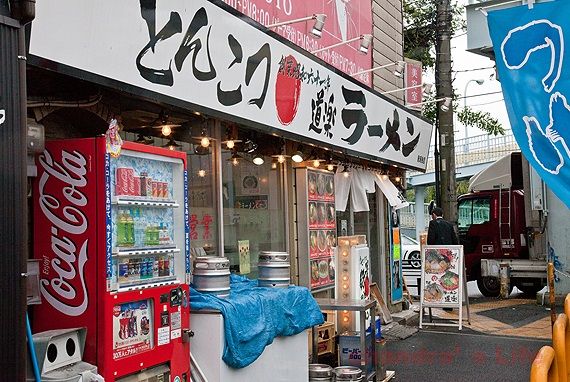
column 441, row 275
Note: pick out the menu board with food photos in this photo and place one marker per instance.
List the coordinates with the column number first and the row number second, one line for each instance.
column 316, row 201
column 442, row 284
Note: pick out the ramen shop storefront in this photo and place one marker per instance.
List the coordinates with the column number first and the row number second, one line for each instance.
column 283, row 105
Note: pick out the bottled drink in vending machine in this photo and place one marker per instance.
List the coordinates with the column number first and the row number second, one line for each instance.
column 121, row 229
column 155, row 235
column 149, row 267
column 148, row 235
column 144, row 268
column 130, row 229
column 144, row 176
column 161, row 266
column 171, row 265
column 163, row 234
column 155, row 267
column 140, row 224
column 123, row 271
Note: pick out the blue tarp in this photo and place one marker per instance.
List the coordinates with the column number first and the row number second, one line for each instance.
column 254, row 316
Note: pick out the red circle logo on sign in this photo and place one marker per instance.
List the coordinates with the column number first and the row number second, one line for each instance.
column 287, row 90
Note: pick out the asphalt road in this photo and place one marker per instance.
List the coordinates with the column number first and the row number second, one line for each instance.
column 441, row 355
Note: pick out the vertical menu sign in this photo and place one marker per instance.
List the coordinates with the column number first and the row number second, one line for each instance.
column 442, row 276
column 322, row 228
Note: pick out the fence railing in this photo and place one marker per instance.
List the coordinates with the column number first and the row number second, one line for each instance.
column 478, row 149
column 408, row 216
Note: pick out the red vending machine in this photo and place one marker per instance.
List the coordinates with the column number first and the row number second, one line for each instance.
column 112, row 235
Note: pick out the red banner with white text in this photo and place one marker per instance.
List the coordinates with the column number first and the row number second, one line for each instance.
column 345, row 20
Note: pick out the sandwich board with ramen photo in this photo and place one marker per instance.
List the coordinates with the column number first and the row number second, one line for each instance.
column 443, row 282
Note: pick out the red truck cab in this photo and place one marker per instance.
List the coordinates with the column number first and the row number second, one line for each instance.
column 491, row 225
column 491, row 222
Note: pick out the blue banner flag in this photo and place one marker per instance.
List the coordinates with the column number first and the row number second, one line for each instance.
column 530, row 49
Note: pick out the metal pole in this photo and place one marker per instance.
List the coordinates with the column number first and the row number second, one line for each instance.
column 437, row 166
column 505, row 280
column 13, row 201
column 445, row 117
column 551, row 295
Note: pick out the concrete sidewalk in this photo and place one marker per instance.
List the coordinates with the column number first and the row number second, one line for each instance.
column 518, row 317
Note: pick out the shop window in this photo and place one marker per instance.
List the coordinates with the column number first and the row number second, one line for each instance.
column 254, row 218
column 203, row 218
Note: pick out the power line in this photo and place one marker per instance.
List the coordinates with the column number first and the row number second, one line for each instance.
column 486, row 103
column 480, row 95
column 473, row 70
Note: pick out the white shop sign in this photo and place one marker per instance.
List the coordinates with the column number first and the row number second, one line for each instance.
column 201, row 53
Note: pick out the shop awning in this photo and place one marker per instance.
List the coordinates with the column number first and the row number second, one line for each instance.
column 361, row 182
column 204, row 55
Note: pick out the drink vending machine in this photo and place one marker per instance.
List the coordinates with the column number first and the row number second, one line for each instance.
column 112, row 237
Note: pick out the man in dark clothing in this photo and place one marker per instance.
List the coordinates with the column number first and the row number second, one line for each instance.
column 440, row 231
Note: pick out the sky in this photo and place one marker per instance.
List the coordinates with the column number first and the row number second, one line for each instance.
column 464, row 64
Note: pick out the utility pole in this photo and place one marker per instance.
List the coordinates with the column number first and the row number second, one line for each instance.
column 444, row 128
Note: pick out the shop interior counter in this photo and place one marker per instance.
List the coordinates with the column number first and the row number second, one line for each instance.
column 360, row 306
column 284, row 360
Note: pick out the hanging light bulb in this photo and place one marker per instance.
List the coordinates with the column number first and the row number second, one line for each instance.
column 205, row 142
column 384, row 177
column 273, row 165
column 345, row 172
column 258, row 160
column 234, row 159
column 297, row 157
column 201, row 173
column 171, row 145
column 281, row 158
column 330, row 165
column 397, row 179
column 316, row 163
column 230, row 144
column 166, row 130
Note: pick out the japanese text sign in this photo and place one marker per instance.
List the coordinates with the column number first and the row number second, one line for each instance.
column 168, row 48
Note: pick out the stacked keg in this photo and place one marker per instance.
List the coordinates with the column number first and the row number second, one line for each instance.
column 211, row 275
column 274, row 269
column 324, row 373
column 348, row 373
column 319, row 372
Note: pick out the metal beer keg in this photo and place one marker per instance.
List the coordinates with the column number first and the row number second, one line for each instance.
column 274, row 269
column 348, row 373
column 319, row 372
column 211, row 275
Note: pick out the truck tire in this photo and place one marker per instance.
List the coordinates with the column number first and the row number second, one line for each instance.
column 489, row 286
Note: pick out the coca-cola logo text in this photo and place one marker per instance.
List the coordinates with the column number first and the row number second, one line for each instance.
column 67, row 219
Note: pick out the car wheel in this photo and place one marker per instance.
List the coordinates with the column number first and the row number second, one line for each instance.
column 415, row 260
column 489, row 286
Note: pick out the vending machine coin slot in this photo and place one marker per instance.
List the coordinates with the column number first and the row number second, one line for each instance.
column 176, row 297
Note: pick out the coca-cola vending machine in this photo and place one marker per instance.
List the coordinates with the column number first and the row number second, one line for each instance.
column 112, row 237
